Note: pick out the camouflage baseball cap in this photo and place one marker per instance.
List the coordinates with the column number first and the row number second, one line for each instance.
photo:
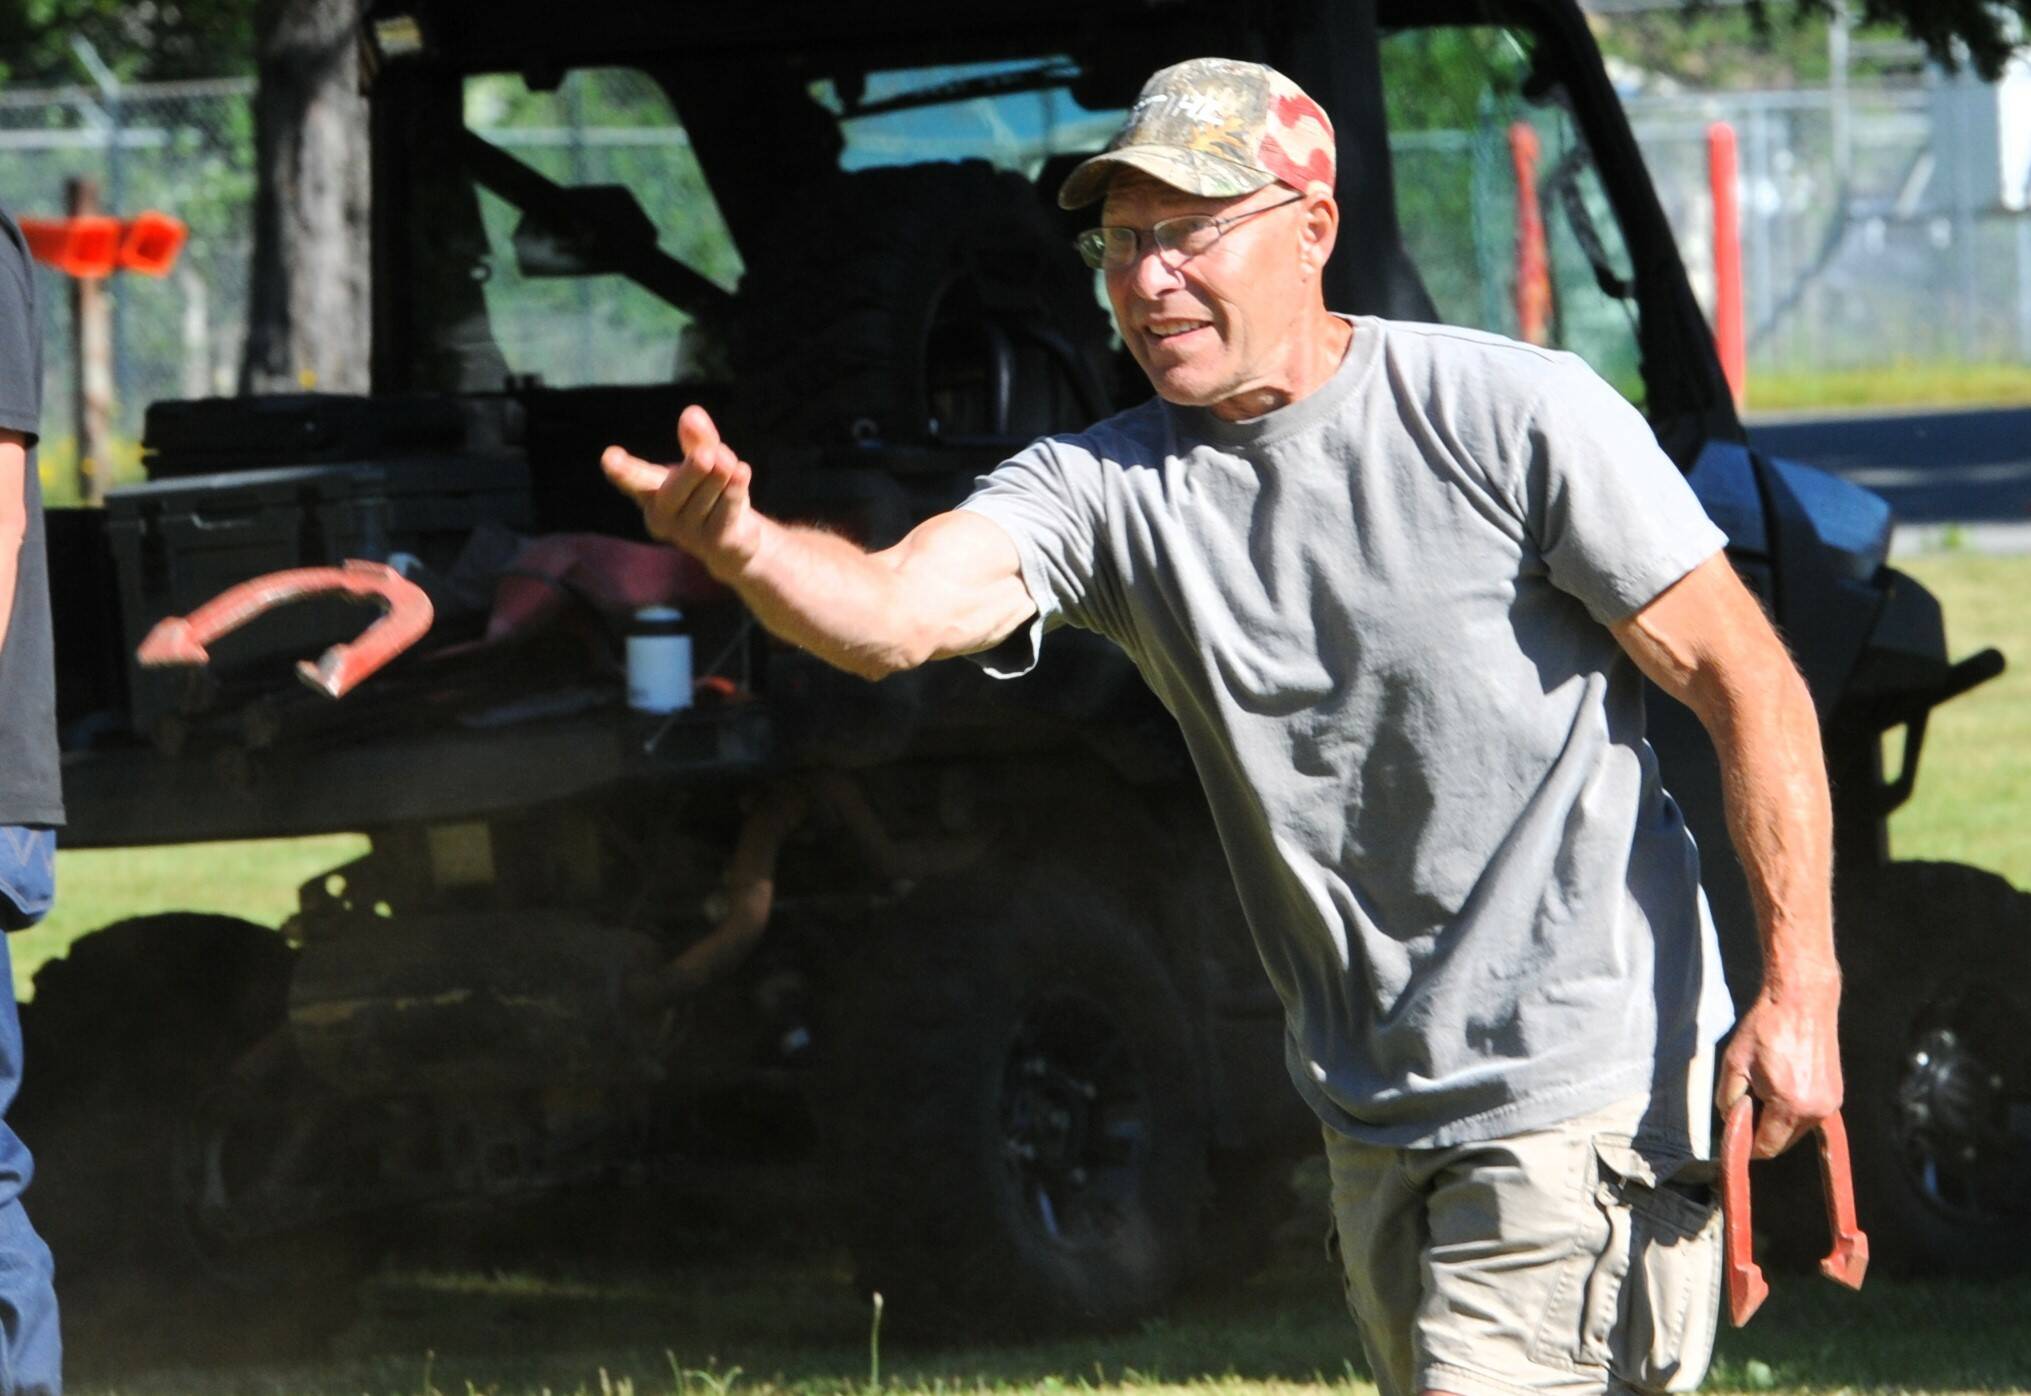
column 1216, row 127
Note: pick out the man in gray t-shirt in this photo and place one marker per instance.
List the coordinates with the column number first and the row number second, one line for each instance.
column 1399, row 585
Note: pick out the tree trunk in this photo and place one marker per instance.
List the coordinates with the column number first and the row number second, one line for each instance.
column 309, row 313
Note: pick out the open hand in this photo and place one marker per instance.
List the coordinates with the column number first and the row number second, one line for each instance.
column 700, row 504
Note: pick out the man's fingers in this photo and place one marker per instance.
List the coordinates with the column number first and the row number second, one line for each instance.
column 631, row 474
column 1732, row 1087
column 720, row 515
column 1776, row 1131
column 706, row 477
column 700, row 505
column 695, row 431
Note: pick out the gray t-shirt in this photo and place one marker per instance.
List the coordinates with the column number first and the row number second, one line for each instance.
column 1377, row 615
column 30, row 789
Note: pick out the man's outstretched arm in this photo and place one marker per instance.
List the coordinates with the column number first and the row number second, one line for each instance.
column 1707, row 643
column 953, row 586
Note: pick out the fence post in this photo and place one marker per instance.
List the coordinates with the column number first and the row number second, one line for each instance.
column 113, row 101
column 1728, row 330
column 1533, row 264
column 92, row 364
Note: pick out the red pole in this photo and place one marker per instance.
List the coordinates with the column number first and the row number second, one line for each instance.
column 1728, row 336
column 1533, row 263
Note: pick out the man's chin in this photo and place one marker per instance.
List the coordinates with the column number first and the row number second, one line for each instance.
column 1184, row 389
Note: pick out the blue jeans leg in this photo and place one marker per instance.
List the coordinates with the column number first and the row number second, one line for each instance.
column 31, row 1347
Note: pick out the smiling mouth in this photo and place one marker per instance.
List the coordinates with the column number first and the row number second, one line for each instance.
column 1162, row 331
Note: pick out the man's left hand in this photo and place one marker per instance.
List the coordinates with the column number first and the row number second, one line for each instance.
column 1786, row 1052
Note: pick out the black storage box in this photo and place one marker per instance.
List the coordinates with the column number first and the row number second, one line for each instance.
column 204, row 436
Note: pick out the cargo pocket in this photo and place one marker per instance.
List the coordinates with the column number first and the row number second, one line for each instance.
column 1653, row 1312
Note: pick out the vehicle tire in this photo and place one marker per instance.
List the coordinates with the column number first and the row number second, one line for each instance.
column 885, row 307
column 1938, row 1068
column 1010, row 1094
column 144, row 1116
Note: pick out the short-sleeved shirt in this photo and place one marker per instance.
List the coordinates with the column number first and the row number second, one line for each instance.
column 30, row 792
column 1378, row 615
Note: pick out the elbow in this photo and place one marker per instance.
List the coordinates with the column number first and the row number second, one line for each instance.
column 877, row 663
column 913, row 642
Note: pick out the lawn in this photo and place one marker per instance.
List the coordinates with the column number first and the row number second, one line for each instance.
column 779, row 1326
column 1973, row 799
column 98, row 886
column 711, row 1323
column 1942, row 384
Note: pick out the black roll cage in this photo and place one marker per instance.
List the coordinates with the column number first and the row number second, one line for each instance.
column 739, row 75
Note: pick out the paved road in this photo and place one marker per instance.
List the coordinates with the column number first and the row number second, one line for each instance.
column 1933, row 467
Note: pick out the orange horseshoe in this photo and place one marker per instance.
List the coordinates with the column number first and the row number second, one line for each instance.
column 1849, row 1259
column 406, row 617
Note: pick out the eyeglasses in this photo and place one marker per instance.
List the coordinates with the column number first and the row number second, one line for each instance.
column 1187, row 236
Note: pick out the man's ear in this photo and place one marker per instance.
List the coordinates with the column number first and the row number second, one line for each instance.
column 1320, row 227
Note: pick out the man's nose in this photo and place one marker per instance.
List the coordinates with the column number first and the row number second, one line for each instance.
column 1152, row 271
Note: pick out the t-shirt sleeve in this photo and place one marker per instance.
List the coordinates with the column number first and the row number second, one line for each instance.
column 1050, row 500
column 20, row 364
column 1614, row 520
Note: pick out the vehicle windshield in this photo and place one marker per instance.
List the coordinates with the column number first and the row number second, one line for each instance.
column 597, row 251
column 560, row 310
column 1014, row 115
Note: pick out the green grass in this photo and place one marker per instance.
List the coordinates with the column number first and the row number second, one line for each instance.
column 1942, row 384
column 613, row 1321
column 785, row 1327
column 1972, row 803
column 96, row 887
column 56, row 463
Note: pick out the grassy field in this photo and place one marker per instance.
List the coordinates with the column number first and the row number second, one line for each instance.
column 782, row 1327
column 1941, row 384
column 1973, row 800
column 96, row 887
column 717, row 1324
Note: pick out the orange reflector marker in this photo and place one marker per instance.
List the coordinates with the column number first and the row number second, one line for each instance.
column 151, row 243
column 87, row 245
column 93, row 245
column 46, row 238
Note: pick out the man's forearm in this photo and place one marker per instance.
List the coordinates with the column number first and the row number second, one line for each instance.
column 1706, row 642
column 1780, row 820
column 825, row 594
column 953, row 586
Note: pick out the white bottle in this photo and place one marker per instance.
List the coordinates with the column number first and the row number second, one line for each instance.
column 659, row 660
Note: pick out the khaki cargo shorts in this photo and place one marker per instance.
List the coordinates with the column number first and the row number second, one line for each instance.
column 1584, row 1257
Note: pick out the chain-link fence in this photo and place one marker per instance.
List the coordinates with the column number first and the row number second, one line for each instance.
column 1871, row 233
column 186, row 148
column 1869, row 236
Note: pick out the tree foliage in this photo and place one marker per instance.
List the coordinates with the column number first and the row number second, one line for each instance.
column 155, row 39
column 1985, row 32
column 140, row 40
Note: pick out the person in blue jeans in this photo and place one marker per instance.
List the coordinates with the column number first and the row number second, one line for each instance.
column 31, row 806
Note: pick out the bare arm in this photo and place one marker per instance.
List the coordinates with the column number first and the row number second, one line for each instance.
column 1707, row 643
column 953, row 586
column 13, row 518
